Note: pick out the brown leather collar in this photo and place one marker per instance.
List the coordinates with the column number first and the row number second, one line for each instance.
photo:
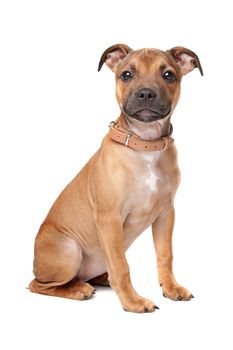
column 129, row 139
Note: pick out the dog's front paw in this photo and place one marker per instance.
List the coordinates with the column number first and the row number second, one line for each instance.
column 174, row 291
column 139, row 305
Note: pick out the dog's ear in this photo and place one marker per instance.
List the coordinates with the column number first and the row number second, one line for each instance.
column 186, row 59
column 113, row 56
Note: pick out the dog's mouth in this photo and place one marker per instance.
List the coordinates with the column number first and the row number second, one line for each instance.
column 147, row 115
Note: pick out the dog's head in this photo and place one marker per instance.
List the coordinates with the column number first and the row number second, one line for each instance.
column 148, row 80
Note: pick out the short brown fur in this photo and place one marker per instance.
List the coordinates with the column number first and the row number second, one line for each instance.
column 119, row 193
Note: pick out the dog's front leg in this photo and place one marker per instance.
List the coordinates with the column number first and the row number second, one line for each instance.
column 110, row 232
column 162, row 230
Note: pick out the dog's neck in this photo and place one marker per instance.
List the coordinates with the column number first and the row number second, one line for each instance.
column 146, row 131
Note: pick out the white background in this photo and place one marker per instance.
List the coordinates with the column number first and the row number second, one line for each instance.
column 55, row 108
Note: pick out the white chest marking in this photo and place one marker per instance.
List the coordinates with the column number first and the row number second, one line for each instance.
column 151, row 178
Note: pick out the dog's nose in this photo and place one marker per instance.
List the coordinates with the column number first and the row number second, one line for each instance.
column 145, row 95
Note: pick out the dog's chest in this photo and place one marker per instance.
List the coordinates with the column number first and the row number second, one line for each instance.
column 150, row 193
column 152, row 182
column 150, row 177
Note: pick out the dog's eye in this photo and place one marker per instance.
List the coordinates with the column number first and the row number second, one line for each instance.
column 127, row 75
column 169, row 76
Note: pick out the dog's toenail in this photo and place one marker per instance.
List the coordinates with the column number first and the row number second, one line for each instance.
column 164, row 295
column 145, row 309
column 191, row 296
column 179, row 297
column 156, row 307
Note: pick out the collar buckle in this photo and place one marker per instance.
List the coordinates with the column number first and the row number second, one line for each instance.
column 112, row 124
column 130, row 134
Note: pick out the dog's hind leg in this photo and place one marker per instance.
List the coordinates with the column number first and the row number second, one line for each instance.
column 56, row 265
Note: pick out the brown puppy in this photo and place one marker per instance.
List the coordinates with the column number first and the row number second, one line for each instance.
column 128, row 185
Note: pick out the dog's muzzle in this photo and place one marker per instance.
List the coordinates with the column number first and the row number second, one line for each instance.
column 145, row 105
